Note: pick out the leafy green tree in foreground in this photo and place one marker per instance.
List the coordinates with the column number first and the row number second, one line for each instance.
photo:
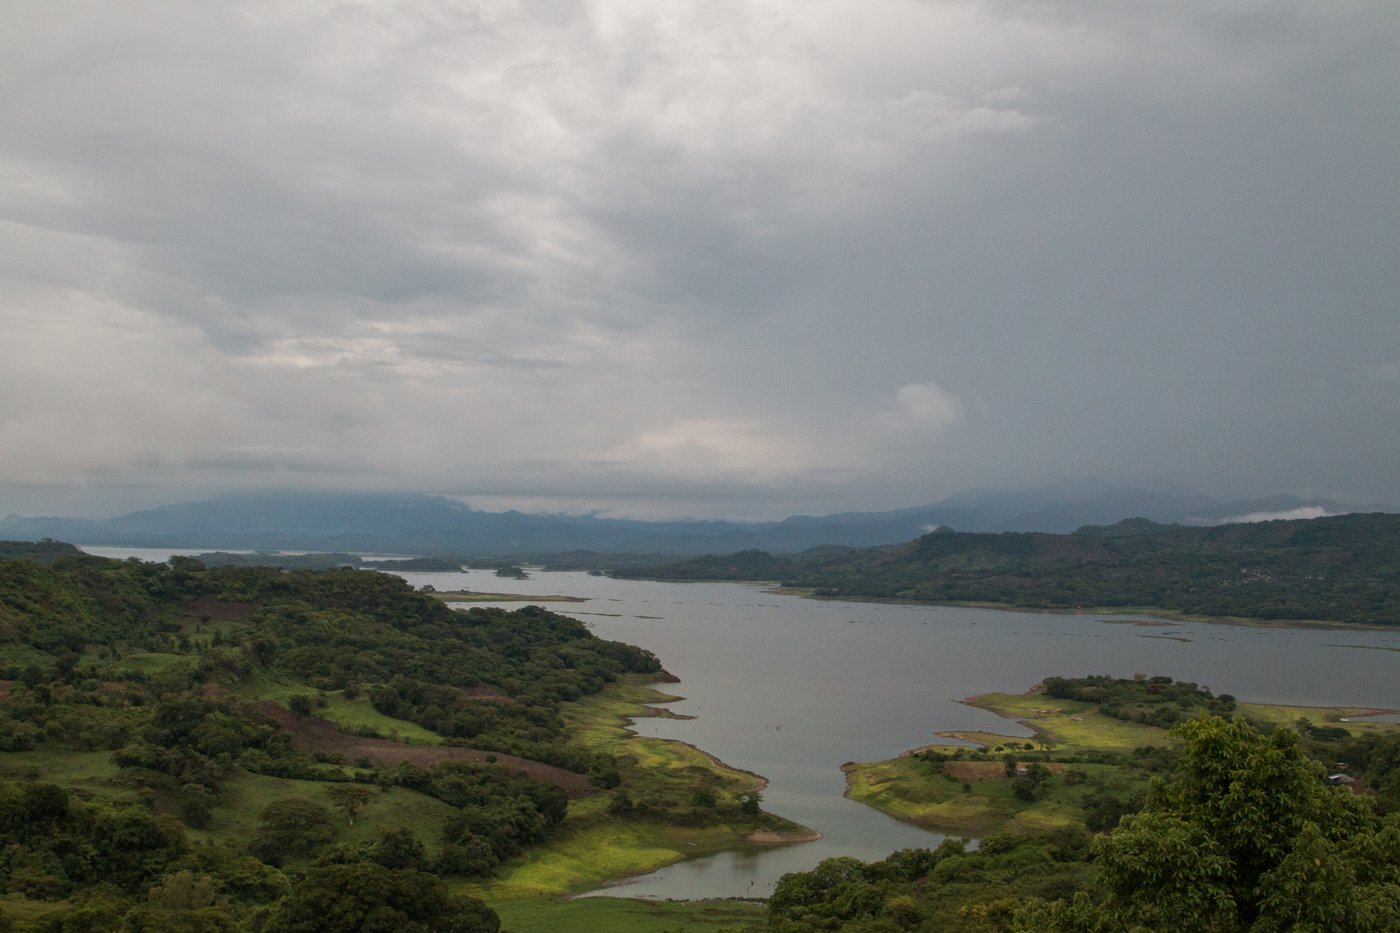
column 1248, row 838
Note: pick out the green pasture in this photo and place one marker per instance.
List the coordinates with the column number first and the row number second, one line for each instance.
column 243, row 797
column 618, row 915
column 911, row 789
column 1291, row 716
column 154, row 662
column 91, row 772
column 914, row 790
column 1067, row 725
column 349, row 715
column 593, row 847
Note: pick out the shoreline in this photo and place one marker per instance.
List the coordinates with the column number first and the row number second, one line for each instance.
column 1167, row 616
column 471, row 596
column 597, row 854
column 762, row 837
column 904, row 789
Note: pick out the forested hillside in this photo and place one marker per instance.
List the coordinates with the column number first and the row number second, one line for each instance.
column 1345, row 569
column 164, row 763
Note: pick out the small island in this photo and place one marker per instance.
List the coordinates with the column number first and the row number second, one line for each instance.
column 1096, row 744
column 472, row 596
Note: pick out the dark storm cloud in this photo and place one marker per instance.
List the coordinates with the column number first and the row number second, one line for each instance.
column 743, row 257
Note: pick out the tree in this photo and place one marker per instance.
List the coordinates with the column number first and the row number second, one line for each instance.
column 1248, row 837
column 291, row 827
column 349, row 798
column 367, row 898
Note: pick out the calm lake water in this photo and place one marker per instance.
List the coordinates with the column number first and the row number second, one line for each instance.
column 791, row 688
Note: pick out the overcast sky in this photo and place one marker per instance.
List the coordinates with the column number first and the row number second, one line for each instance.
column 671, row 258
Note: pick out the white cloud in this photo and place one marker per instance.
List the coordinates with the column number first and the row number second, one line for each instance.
column 923, row 406
column 1306, row 511
column 710, row 447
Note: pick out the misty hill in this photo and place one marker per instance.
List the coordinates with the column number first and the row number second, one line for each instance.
column 1343, row 568
column 419, row 524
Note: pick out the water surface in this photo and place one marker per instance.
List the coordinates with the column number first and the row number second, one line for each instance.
column 791, row 688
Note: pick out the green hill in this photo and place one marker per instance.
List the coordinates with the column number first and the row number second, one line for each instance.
column 1341, row 569
column 209, row 749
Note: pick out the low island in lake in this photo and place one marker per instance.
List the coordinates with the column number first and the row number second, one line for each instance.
column 1097, row 743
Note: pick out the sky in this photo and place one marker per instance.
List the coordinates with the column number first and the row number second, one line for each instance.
column 697, row 259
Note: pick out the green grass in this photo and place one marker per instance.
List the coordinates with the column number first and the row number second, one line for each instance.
column 245, row 795
column 911, row 789
column 650, row 766
column 617, row 915
column 348, row 714
column 592, row 848
column 154, row 662
column 93, row 772
column 16, row 655
column 586, row 855
column 1070, row 725
column 1288, row 716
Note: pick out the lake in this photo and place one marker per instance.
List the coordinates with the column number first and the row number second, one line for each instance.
column 791, row 688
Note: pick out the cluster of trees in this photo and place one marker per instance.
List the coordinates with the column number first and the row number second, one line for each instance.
column 1246, row 836
column 1338, row 568
column 153, row 663
column 1155, row 701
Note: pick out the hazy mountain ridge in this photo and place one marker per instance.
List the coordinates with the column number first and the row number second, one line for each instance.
column 438, row 525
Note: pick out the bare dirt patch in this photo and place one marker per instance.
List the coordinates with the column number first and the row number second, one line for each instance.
column 486, row 693
column 219, row 610
column 312, row 734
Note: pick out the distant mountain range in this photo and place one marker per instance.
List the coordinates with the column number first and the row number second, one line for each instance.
column 418, row 524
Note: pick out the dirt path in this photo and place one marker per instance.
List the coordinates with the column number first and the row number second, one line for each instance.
column 311, row 734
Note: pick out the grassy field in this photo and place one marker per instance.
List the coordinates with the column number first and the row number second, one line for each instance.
column 89, row 772
column 243, row 797
column 149, row 663
column 1074, row 725
column 347, row 714
column 1291, row 716
column 651, row 766
column 617, row 915
column 977, row 797
column 594, row 847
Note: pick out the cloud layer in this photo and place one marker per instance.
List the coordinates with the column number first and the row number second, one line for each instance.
column 719, row 258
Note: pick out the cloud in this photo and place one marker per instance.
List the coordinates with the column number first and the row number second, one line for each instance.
column 713, row 447
column 1306, row 511
column 923, row 405
column 567, row 248
column 1382, row 372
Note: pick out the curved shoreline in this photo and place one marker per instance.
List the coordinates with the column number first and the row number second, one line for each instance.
column 758, row 836
column 1169, row 616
